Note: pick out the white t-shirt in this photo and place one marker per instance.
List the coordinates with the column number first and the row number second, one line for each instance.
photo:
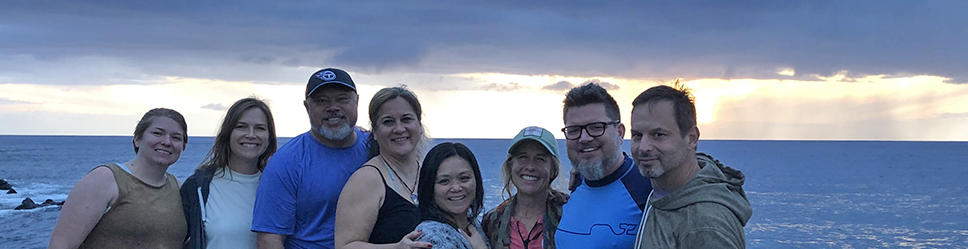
column 229, row 210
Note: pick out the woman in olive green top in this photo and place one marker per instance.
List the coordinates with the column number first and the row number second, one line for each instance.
column 134, row 204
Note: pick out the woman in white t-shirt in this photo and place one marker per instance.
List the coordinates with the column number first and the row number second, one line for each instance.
column 219, row 197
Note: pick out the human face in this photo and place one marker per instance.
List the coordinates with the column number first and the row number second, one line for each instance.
column 162, row 143
column 248, row 138
column 595, row 157
column 531, row 168
column 398, row 128
column 657, row 144
column 332, row 111
column 455, row 187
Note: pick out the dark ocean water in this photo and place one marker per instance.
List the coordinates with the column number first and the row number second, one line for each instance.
column 805, row 194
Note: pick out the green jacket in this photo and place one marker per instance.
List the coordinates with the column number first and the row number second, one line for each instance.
column 708, row 212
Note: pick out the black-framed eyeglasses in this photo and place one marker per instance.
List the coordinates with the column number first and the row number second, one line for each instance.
column 594, row 129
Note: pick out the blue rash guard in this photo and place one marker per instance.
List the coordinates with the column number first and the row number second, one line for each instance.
column 605, row 213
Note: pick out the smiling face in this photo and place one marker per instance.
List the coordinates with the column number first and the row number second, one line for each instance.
column 249, row 136
column 397, row 129
column 162, row 143
column 595, row 157
column 531, row 168
column 455, row 187
column 332, row 111
column 657, row 144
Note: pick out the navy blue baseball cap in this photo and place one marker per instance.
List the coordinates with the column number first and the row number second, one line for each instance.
column 329, row 76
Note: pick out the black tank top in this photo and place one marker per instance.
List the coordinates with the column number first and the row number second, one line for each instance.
column 397, row 217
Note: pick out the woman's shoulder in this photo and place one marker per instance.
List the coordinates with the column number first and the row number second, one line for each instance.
column 431, row 225
column 367, row 173
column 433, row 228
column 440, row 234
column 361, row 185
column 496, row 212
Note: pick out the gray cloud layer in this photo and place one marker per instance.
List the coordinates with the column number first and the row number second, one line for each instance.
column 565, row 85
column 215, row 106
column 107, row 42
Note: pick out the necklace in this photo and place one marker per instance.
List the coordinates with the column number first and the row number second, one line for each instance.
column 413, row 194
column 526, row 240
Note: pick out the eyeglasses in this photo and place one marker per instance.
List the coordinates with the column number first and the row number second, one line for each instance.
column 594, row 129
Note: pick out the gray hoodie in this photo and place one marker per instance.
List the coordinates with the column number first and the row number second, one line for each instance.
column 708, row 212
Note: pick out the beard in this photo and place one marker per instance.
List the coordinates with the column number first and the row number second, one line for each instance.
column 595, row 170
column 334, row 134
column 654, row 171
column 591, row 170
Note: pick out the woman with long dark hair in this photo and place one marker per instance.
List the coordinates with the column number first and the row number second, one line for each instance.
column 218, row 199
column 451, row 195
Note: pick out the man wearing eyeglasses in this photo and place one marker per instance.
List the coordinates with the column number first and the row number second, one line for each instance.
column 605, row 209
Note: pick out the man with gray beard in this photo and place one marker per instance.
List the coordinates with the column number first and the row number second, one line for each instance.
column 295, row 204
column 605, row 208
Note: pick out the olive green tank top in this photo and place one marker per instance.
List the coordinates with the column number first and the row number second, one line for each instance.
column 143, row 216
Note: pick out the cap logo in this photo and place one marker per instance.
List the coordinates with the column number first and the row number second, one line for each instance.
column 532, row 132
column 327, row 75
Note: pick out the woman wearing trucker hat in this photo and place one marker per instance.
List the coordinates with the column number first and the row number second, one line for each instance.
column 529, row 218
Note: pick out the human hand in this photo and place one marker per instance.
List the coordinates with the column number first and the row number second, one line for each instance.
column 407, row 242
column 476, row 239
column 574, row 180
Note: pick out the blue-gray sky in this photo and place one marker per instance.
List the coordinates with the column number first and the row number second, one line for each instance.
column 444, row 46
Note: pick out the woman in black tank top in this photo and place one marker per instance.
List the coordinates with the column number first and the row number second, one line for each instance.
column 367, row 214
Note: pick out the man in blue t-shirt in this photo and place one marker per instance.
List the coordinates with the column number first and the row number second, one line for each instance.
column 605, row 208
column 295, row 204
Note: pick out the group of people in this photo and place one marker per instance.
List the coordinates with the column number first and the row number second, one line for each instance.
column 339, row 186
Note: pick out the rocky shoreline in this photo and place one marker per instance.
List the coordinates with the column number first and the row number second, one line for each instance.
column 27, row 202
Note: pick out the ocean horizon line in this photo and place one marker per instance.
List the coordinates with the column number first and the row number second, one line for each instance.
column 701, row 139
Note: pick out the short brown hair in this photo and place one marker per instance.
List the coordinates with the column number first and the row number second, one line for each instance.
column 683, row 103
column 150, row 116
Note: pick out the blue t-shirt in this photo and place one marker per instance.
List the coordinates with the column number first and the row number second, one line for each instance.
column 604, row 213
column 300, row 187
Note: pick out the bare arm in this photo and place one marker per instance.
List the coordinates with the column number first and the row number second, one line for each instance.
column 84, row 206
column 270, row 240
column 356, row 213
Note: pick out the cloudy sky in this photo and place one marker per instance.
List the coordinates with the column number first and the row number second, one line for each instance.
column 844, row 70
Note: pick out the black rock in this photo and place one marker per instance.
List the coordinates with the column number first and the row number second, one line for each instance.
column 27, row 204
column 4, row 185
column 50, row 202
column 11, row 191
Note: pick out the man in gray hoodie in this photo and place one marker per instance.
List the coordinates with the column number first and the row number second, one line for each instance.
column 696, row 202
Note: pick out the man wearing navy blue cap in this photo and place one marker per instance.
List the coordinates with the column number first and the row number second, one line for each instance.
column 295, row 204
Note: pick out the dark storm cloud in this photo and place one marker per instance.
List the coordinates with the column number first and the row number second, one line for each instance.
column 275, row 41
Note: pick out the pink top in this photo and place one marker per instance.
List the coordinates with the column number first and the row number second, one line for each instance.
column 520, row 234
